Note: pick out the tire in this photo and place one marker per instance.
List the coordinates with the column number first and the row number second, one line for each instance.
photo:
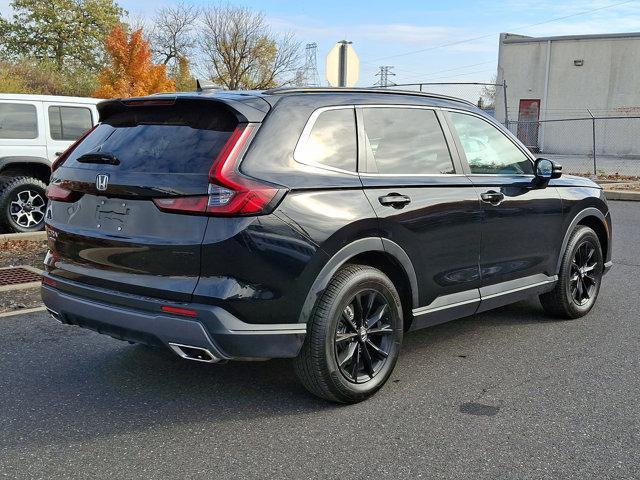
column 23, row 204
column 580, row 271
column 335, row 332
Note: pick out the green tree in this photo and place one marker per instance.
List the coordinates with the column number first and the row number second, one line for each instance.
column 182, row 76
column 42, row 77
column 68, row 33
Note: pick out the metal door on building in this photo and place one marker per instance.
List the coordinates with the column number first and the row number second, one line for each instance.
column 528, row 116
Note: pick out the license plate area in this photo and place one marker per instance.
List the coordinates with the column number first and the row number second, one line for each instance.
column 112, row 215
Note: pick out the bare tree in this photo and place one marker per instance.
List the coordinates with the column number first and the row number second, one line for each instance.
column 241, row 52
column 488, row 94
column 173, row 34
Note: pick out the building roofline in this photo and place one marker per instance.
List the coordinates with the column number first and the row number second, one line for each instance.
column 515, row 38
column 389, row 91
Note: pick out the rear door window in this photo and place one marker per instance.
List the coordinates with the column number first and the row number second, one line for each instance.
column 68, row 123
column 182, row 138
column 405, row 141
column 332, row 141
column 18, row 121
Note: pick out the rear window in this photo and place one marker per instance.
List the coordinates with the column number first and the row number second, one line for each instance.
column 332, row 141
column 182, row 138
column 18, row 121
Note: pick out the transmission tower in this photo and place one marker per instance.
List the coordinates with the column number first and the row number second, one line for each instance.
column 384, row 74
column 311, row 77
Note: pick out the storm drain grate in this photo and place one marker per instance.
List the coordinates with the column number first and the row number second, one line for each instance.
column 17, row 275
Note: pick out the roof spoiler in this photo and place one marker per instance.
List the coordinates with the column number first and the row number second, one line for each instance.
column 246, row 110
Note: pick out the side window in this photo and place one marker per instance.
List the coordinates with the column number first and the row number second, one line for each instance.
column 487, row 149
column 68, row 123
column 405, row 141
column 332, row 141
column 18, row 121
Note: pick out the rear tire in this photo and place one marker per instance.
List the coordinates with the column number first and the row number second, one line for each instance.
column 579, row 279
column 23, row 204
column 353, row 336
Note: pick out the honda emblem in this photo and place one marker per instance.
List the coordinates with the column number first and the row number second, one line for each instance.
column 102, row 181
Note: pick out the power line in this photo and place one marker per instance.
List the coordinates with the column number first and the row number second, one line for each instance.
column 461, row 67
column 492, row 34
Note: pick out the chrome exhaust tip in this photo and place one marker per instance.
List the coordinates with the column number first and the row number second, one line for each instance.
column 197, row 354
column 54, row 314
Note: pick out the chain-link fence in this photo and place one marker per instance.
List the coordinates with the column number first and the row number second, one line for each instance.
column 606, row 146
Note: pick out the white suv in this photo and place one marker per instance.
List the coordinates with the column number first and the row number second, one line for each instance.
column 34, row 130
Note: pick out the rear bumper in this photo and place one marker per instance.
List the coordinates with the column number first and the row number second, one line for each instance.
column 214, row 329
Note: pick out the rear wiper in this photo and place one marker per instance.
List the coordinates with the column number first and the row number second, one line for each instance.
column 102, row 158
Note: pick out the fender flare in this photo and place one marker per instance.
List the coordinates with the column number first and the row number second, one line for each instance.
column 587, row 212
column 6, row 161
column 363, row 245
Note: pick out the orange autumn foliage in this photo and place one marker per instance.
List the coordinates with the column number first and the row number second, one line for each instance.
column 131, row 72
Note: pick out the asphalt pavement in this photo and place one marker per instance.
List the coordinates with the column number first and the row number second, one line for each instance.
column 508, row 394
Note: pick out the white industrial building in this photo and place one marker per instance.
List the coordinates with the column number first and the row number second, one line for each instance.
column 567, row 77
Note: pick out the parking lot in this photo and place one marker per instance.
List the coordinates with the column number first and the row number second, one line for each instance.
column 507, row 394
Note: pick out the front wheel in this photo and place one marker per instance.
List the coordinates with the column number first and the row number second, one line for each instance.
column 353, row 337
column 580, row 276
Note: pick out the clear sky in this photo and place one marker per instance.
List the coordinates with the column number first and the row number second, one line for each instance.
column 410, row 34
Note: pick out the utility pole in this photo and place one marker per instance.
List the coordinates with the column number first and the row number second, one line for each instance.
column 384, row 74
column 311, row 77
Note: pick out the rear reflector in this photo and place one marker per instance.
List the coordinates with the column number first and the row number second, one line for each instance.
column 49, row 281
column 179, row 311
column 229, row 192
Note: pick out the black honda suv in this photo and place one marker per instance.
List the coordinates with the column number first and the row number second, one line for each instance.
column 316, row 224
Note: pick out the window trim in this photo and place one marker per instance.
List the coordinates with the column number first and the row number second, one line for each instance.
column 508, row 135
column 37, row 117
column 456, row 160
column 306, row 133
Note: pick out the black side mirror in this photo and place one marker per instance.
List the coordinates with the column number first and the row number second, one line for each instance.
column 546, row 169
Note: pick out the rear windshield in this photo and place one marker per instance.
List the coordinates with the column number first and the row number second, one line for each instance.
column 182, row 138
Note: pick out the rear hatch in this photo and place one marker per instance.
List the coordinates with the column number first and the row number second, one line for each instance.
column 126, row 201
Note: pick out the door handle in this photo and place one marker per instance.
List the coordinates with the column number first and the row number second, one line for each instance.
column 57, row 154
column 394, row 200
column 492, row 197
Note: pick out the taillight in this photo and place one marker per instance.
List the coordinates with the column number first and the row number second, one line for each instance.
column 64, row 155
column 229, row 193
column 61, row 194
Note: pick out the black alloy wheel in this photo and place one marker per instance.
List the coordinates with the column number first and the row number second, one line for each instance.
column 583, row 282
column 364, row 336
column 579, row 278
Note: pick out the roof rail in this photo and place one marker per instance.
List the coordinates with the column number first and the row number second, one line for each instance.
column 283, row 90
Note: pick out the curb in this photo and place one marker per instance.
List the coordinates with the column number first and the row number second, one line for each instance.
column 622, row 195
column 28, row 237
column 22, row 311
